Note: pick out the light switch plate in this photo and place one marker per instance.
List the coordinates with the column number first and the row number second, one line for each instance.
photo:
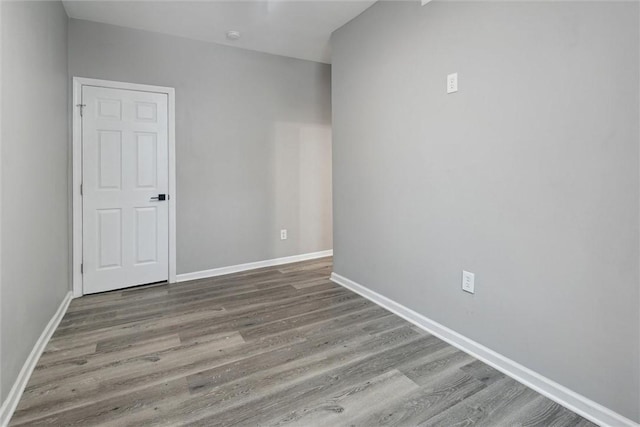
column 468, row 280
column 452, row 83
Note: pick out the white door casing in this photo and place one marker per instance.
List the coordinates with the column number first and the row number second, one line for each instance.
column 126, row 163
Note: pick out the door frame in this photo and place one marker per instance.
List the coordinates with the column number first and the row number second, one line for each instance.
column 78, row 83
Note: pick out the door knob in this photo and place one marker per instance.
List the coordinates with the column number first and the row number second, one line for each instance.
column 160, row 197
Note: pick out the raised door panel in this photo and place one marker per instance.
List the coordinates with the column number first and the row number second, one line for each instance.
column 109, row 160
column 146, row 235
column 109, row 108
column 146, row 112
column 146, row 160
column 109, row 238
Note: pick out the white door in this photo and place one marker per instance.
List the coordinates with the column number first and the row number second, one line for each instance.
column 125, row 228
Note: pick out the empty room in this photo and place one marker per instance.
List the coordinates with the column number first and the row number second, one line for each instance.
column 320, row 213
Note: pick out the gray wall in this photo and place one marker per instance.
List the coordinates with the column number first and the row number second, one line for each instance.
column 253, row 140
column 528, row 177
column 35, row 256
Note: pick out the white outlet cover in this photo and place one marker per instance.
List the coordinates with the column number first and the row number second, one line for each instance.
column 452, row 83
column 468, row 282
column 283, row 234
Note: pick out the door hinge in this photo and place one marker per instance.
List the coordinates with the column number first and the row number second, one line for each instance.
column 81, row 106
column 81, row 268
column 81, row 189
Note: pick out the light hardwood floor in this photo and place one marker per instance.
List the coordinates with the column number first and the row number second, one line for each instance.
column 278, row 346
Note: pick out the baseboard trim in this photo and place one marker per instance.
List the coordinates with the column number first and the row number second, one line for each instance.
column 251, row 266
column 560, row 394
column 11, row 402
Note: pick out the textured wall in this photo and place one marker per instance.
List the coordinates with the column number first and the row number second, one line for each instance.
column 528, row 177
column 35, row 203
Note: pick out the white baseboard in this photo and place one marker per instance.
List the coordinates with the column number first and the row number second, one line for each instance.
column 558, row 393
column 251, row 266
column 12, row 399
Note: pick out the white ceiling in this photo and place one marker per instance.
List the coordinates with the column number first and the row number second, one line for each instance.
column 299, row 29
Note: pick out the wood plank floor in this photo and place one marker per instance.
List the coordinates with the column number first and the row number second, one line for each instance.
column 277, row 346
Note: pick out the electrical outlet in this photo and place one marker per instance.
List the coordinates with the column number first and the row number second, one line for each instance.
column 452, row 83
column 283, row 234
column 468, row 280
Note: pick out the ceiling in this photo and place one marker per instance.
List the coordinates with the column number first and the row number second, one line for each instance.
column 299, row 29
